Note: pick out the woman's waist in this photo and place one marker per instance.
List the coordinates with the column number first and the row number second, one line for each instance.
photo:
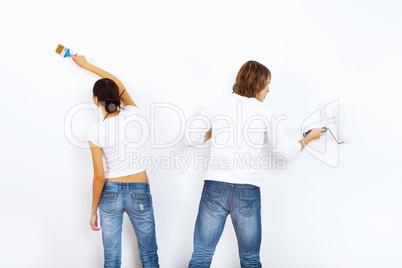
column 111, row 186
column 131, row 178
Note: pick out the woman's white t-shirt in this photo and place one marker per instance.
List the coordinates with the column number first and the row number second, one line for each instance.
column 120, row 139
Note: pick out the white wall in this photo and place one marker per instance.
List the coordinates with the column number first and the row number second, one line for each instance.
column 184, row 52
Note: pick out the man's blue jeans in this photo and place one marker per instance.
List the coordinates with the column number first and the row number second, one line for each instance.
column 135, row 199
column 218, row 200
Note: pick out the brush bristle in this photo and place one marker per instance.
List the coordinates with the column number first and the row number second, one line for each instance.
column 59, row 49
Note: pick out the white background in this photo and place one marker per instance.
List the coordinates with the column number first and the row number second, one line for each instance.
column 183, row 53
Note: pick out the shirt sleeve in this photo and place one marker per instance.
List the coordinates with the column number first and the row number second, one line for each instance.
column 198, row 126
column 281, row 144
column 93, row 135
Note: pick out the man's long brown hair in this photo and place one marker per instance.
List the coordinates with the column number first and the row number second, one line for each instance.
column 251, row 79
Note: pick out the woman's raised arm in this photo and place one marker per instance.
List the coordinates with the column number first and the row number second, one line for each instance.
column 83, row 63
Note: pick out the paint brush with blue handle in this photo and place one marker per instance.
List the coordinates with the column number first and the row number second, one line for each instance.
column 308, row 132
column 63, row 51
column 327, row 129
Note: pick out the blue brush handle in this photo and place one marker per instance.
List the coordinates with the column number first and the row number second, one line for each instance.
column 306, row 133
column 67, row 53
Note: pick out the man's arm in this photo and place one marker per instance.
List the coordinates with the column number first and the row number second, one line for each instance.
column 313, row 135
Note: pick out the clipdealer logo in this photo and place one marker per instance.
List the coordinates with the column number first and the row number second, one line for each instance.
column 326, row 149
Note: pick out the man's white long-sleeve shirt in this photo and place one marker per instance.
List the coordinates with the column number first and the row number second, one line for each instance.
column 239, row 127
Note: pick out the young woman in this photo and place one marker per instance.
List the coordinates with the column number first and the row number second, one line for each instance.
column 118, row 186
column 238, row 124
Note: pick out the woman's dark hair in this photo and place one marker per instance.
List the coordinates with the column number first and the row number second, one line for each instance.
column 107, row 92
column 251, row 79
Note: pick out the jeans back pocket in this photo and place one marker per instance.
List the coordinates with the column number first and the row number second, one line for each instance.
column 212, row 196
column 249, row 201
column 107, row 202
column 141, row 202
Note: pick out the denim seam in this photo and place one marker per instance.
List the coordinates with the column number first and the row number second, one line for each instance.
column 230, row 198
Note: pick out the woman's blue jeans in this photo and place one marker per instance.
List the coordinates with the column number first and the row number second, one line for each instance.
column 135, row 199
column 218, row 200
